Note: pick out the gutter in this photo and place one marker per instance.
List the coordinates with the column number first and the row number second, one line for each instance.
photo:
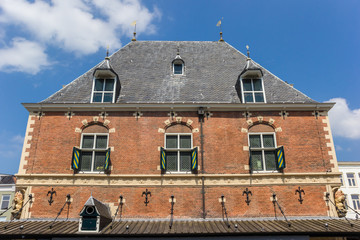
column 222, row 107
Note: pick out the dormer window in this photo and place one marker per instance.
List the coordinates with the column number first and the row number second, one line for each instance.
column 178, row 68
column 104, row 90
column 253, row 90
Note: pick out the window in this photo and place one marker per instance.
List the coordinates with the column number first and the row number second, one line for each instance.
column 103, row 90
column 94, row 148
column 5, row 201
column 351, row 179
column 262, row 151
column 178, row 68
column 341, row 180
column 253, row 90
column 355, row 201
column 178, row 152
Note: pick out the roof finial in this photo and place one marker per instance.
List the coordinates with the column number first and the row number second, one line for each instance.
column 107, row 52
column 134, row 24
column 248, row 52
column 219, row 25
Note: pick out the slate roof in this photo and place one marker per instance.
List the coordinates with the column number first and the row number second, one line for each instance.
column 145, row 72
column 7, row 179
column 190, row 228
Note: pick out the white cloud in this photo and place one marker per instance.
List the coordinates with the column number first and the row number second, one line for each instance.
column 76, row 25
column 23, row 56
column 344, row 121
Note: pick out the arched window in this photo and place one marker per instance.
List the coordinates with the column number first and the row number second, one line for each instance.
column 178, row 67
column 262, row 148
column 94, row 154
column 178, row 154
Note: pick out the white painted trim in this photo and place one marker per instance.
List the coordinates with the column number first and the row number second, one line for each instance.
column 103, row 91
column 221, row 107
column 253, row 92
column 263, row 149
column 178, row 150
column 93, row 150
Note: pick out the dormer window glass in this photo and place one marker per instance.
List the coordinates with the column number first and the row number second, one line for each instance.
column 253, row 90
column 104, row 90
column 178, row 68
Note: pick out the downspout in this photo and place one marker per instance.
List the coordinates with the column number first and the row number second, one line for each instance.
column 201, row 113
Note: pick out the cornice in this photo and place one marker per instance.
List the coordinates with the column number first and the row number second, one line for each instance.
column 264, row 179
column 34, row 107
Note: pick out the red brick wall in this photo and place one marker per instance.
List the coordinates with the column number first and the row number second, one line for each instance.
column 136, row 142
column 188, row 201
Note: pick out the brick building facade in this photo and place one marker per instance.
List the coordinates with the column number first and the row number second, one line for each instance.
column 150, row 98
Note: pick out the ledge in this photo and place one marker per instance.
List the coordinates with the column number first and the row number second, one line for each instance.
column 223, row 107
column 264, row 179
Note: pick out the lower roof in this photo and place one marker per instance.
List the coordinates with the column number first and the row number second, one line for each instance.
column 182, row 228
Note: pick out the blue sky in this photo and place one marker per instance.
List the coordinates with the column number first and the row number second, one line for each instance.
column 47, row 44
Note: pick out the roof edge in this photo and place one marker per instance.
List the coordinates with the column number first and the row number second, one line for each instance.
column 36, row 107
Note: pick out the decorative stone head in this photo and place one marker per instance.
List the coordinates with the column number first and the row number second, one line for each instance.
column 17, row 203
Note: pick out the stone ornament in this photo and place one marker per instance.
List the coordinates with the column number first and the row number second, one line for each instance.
column 17, row 203
column 340, row 203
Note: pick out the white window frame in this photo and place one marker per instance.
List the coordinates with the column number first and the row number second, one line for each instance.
column 93, row 150
column 103, row 91
column 178, row 62
column 354, row 201
column 2, row 200
column 253, row 92
column 353, row 180
column 178, row 150
column 262, row 149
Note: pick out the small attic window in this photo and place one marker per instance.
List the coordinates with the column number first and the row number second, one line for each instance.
column 104, row 90
column 253, row 90
column 178, row 67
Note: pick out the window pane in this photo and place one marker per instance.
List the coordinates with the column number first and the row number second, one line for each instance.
column 270, row 160
column 185, row 161
column 171, row 161
column 171, row 142
column 257, row 85
column 248, row 97
column 177, row 68
column 85, row 164
column 97, row 97
column 109, row 85
column 101, row 141
column 5, row 201
column 88, row 141
column 256, row 161
column 259, row 97
column 108, row 97
column 255, row 141
column 185, row 141
column 247, row 85
column 99, row 161
column 268, row 140
column 99, row 83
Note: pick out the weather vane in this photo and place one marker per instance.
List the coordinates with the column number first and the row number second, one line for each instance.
column 219, row 25
column 248, row 52
column 134, row 24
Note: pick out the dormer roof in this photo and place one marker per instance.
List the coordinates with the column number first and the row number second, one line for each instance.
column 105, row 69
column 212, row 70
column 102, row 209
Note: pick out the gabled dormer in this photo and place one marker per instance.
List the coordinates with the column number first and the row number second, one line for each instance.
column 178, row 65
column 94, row 216
column 250, row 82
column 106, row 83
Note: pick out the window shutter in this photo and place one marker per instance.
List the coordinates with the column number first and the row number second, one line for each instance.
column 162, row 159
column 194, row 159
column 280, row 157
column 76, row 156
column 250, row 161
column 107, row 160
